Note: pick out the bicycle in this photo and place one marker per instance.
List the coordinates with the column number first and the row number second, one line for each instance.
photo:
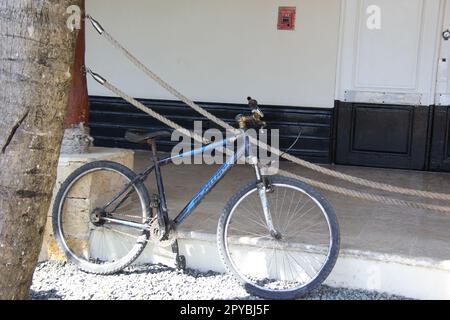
column 278, row 236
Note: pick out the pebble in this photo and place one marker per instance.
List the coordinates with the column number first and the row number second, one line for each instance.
column 61, row 281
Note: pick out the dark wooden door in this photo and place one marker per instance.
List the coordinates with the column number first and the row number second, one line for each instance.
column 388, row 136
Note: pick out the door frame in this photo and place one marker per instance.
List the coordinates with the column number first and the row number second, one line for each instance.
column 439, row 159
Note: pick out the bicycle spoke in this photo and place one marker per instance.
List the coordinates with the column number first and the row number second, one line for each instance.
column 290, row 205
column 297, row 218
column 259, row 218
column 251, row 220
column 288, row 220
column 300, row 265
column 120, row 232
column 248, row 232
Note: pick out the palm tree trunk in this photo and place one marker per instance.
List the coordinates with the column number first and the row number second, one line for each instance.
column 36, row 55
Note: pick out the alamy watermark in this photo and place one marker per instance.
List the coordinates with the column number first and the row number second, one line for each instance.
column 73, row 22
column 373, row 20
column 374, row 17
column 195, row 152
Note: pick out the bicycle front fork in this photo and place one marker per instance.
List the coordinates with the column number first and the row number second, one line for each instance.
column 263, row 189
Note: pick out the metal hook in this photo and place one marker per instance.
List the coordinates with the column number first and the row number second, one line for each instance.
column 95, row 76
column 95, row 24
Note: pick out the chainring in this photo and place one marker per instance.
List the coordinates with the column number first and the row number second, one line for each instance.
column 155, row 235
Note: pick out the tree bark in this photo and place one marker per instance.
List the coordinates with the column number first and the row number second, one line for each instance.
column 36, row 55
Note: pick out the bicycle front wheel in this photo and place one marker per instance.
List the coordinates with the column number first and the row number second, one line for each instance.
column 95, row 191
column 289, row 261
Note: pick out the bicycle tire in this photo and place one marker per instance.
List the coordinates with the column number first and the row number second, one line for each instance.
column 56, row 219
column 325, row 271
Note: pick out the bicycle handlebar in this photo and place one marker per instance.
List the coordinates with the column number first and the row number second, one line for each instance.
column 255, row 118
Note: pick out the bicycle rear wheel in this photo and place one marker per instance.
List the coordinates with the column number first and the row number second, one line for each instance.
column 97, row 190
column 292, row 261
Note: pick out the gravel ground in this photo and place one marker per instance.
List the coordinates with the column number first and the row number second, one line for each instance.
column 54, row 280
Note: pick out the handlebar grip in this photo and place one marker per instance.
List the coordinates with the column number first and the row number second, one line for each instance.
column 252, row 103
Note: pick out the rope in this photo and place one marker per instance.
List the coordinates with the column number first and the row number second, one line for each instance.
column 306, row 164
column 154, row 114
column 315, row 183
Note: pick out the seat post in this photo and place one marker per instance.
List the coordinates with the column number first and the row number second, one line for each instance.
column 152, row 144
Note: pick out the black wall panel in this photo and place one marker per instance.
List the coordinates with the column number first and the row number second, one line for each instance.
column 389, row 136
column 440, row 143
column 111, row 117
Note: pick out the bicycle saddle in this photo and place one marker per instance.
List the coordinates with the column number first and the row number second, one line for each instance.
column 137, row 136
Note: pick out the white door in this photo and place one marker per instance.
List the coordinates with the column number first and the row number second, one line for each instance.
column 390, row 54
column 388, row 51
column 443, row 73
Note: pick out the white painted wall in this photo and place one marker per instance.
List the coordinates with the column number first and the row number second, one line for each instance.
column 216, row 50
column 400, row 59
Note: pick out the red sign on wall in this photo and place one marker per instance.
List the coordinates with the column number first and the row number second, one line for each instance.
column 286, row 18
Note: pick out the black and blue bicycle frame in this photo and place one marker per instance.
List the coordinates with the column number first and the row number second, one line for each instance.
column 215, row 178
column 242, row 149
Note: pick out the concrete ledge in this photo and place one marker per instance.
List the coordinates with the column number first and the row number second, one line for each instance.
column 97, row 154
column 409, row 276
column 413, row 277
column 67, row 164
